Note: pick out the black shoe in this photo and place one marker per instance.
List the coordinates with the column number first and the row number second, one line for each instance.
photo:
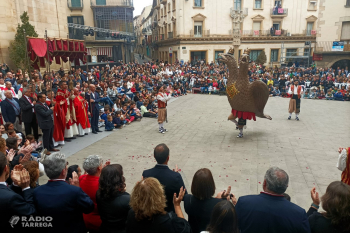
column 289, row 117
column 67, row 140
column 99, row 131
column 94, row 132
column 297, row 118
column 86, row 133
column 80, row 136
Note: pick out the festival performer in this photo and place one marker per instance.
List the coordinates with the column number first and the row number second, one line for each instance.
column 344, row 164
column 81, row 114
column 62, row 117
column 162, row 98
column 247, row 99
column 294, row 104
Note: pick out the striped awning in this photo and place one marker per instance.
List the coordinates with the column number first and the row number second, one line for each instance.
column 88, row 50
column 107, row 51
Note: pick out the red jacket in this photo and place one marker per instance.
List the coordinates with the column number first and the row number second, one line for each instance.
column 89, row 184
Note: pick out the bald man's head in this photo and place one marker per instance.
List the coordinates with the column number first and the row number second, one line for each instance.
column 8, row 94
column 76, row 91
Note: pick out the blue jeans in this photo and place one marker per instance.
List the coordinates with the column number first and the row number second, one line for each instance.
column 107, row 100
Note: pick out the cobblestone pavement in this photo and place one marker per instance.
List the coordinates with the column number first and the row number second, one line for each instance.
column 201, row 137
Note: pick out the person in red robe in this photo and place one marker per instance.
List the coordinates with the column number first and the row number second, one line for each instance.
column 344, row 164
column 82, row 118
column 60, row 113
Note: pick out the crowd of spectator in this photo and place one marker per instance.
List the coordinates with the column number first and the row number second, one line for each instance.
column 97, row 200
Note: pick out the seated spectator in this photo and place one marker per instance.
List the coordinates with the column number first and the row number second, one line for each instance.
column 322, row 95
column 347, row 96
column 223, row 219
column 126, row 115
column 109, row 123
column 112, row 199
column 63, row 202
column 336, row 206
column 145, row 112
column 200, row 204
column 33, row 142
column 118, row 122
column 92, row 166
column 142, row 218
column 3, row 132
column 306, row 95
column 329, row 95
column 338, row 95
column 71, row 169
column 11, row 203
column 277, row 92
column 132, row 112
column 270, row 212
column 170, row 179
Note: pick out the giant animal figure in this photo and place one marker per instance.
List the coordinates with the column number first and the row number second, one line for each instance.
column 247, row 99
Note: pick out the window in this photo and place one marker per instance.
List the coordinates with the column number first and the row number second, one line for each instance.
column 347, row 3
column 77, row 34
column 198, row 3
column 169, row 6
column 256, row 25
column 254, row 54
column 312, row 5
column 76, row 3
column 276, row 25
column 257, row 4
column 217, row 55
column 309, row 28
column 345, row 31
column 274, row 55
column 174, row 5
column 100, row 2
column 278, row 3
column 307, row 52
column 198, row 28
column 237, row 5
column 291, row 52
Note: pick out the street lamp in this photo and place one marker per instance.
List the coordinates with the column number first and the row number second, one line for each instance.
column 237, row 18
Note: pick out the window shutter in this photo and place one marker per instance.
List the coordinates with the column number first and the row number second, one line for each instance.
column 345, row 31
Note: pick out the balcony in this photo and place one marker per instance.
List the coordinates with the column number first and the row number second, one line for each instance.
column 163, row 2
column 170, row 35
column 279, row 12
column 157, row 7
column 310, row 33
column 75, row 4
column 263, row 33
column 102, row 3
column 203, row 33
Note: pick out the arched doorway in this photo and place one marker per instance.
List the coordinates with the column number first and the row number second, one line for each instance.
column 342, row 64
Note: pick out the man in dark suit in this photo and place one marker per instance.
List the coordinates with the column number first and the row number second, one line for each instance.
column 44, row 115
column 12, row 205
column 93, row 98
column 171, row 180
column 63, row 202
column 11, row 111
column 27, row 103
column 270, row 212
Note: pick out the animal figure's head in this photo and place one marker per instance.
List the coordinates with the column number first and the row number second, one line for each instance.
column 227, row 58
column 245, row 57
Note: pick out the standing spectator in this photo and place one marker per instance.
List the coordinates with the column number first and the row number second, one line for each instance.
column 270, row 212
column 200, row 204
column 12, row 203
column 63, row 202
column 27, row 104
column 171, row 180
column 141, row 218
column 336, row 204
column 112, row 199
column 45, row 120
column 89, row 184
column 11, row 110
column 223, row 219
column 93, row 98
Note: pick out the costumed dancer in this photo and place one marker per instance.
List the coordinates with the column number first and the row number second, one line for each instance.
column 344, row 164
column 247, row 99
column 294, row 104
column 82, row 117
column 162, row 98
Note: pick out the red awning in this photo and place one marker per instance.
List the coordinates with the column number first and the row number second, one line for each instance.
column 58, row 49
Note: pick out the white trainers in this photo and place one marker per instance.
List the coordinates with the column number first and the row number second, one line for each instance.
column 165, row 130
column 161, row 131
column 240, row 135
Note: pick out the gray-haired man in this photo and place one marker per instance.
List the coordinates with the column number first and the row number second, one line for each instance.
column 270, row 212
column 26, row 102
column 64, row 203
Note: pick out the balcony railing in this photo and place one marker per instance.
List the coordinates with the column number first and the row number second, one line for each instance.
column 203, row 33
column 262, row 33
column 309, row 32
column 75, row 4
column 279, row 12
column 97, row 3
column 170, row 35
